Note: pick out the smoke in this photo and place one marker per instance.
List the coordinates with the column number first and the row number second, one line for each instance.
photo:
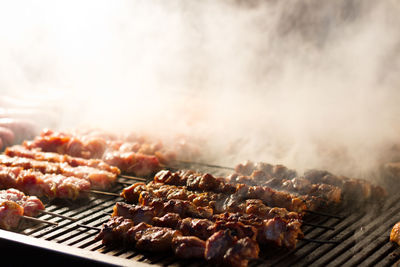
column 303, row 83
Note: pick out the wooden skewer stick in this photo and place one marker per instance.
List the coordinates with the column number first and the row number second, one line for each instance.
column 58, row 215
column 133, row 177
column 104, row 193
column 38, row 220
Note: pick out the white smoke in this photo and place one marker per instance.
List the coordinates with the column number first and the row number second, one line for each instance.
column 303, row 83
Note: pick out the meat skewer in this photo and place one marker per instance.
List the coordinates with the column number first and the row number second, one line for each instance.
column 277, row 230
column 207, row 182
column 95, row 148
column 36, row 154
column 219, row 203
column 321, row 195
column 14, row 205
column 220, row 248
column 351, row 188
column 98, row 179
column 39, row 184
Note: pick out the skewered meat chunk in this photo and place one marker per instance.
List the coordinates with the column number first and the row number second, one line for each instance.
column 197, row 181
column 188, row 247
column 241, row 252
column 10, row 214
column 14, row 204
column 217, row 202
column 395, row 234
column 99, row 179
column 38, row 184
column 36, row 154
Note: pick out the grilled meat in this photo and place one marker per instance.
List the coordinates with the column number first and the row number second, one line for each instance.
column 277, row 231
column 10, row 214
column 352, row 189
column 321, row 183
column 98, row 179
column 395, row 234
column 204, row 182
column 272, row 171
column 152, row 238
column 95, row 148
column 320, row 194
column 36, row 154
column 187, row 247
column 31, row 205
column 14, row 204
column 39, row 184
column 217, row 202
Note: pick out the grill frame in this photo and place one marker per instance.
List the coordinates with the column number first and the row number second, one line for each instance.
column 367, row 226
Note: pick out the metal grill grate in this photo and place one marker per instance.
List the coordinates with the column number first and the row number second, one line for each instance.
column 363, row 235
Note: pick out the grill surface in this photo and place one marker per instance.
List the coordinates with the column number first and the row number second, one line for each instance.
column 362, row 232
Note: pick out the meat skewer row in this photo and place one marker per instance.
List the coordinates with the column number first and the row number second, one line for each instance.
column 98, row 179
column 220, row 248
column 207, row 182
column 277, row 231
column 36, row 154
column 351, row 188
column 39, row 184
column 95, row 148
column 15, row 204
column 323, row 193
column 219, row 203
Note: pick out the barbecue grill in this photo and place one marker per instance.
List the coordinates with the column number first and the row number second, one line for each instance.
column 361, row 237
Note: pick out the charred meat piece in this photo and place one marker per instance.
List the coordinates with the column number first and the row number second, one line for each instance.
column 188, row 247
column 241, row 252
